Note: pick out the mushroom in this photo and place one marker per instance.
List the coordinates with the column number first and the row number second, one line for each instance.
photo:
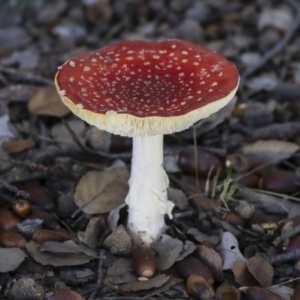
column 145, row 89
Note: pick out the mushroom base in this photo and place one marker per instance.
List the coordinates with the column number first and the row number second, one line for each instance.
column 147, row 197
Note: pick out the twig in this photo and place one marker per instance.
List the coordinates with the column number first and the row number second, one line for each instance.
column 13, row 189
column 280, row 258
column 102, row 256
column 26, row 76
column 281, row 44
column 75, row 138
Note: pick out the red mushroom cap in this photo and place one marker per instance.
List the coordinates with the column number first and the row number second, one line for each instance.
column 138, row 88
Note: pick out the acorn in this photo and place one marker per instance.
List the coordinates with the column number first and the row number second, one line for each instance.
column 61, row 294
column 39, row 196
column 21, row 207
column 234, row 219
column 8, row 220
column 260, row 169
column 249, row 180
column 199, row 288
column 49, row 222
column 43, row 235
column 237, row 162
column 283, row 182
column 259, row 293
column 227, row 292
column 10, row 239
column 144, row 262
column 208, row 163
column 191, row 266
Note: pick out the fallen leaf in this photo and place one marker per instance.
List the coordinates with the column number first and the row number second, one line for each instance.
column 280, row 18
column 201, row 237
column 188, row 248
column 212, row 259
column 68, row 247
column 61, row 133
column 242, row 275
column 15, row 146
column 100, row 192
column 177, row 197
column 119, row 267
column 271, row 151
column 229, row 250
column 261, row 269
column 169, row 250
column 270, row 204
column 91, row 233
column 169, row 284
column 264, row 82
column 57, row 259
column 46, row 101
column 5, row 131
column 18, row 92
column 284, row 291
column 135, row 286
column 114, row 216
column 11, row 258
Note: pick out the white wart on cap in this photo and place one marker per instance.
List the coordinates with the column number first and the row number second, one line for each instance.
column 142, row 88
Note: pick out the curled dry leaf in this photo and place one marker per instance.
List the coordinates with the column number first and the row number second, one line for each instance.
column 100, row 192
column 47, row 102
column 261, row 269
column 11, row 258
column 242, row 275
column 91, row 233
column 135, row 286
column 16, row 146
column 201, row 237
column 119, row 267
column 169, row 250
column 70, row 256
column 271, row 151
column 212, row 259
column 229, row 250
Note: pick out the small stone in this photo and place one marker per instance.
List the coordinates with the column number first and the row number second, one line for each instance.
column 245, row 209
column 118, row 242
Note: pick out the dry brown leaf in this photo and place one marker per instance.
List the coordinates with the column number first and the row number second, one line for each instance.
column 212, row 259
column 15, row 146
column 47, row 102
column 11, row 258
column 119, row 267
column 169, row 250
column 100, row 192
column 135, row 286
column 58, row 259
column 229, row 250
column 271, row 151
column 242, row 274
column 261, row 269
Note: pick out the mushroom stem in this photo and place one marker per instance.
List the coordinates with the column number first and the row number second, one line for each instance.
column 147, row 197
